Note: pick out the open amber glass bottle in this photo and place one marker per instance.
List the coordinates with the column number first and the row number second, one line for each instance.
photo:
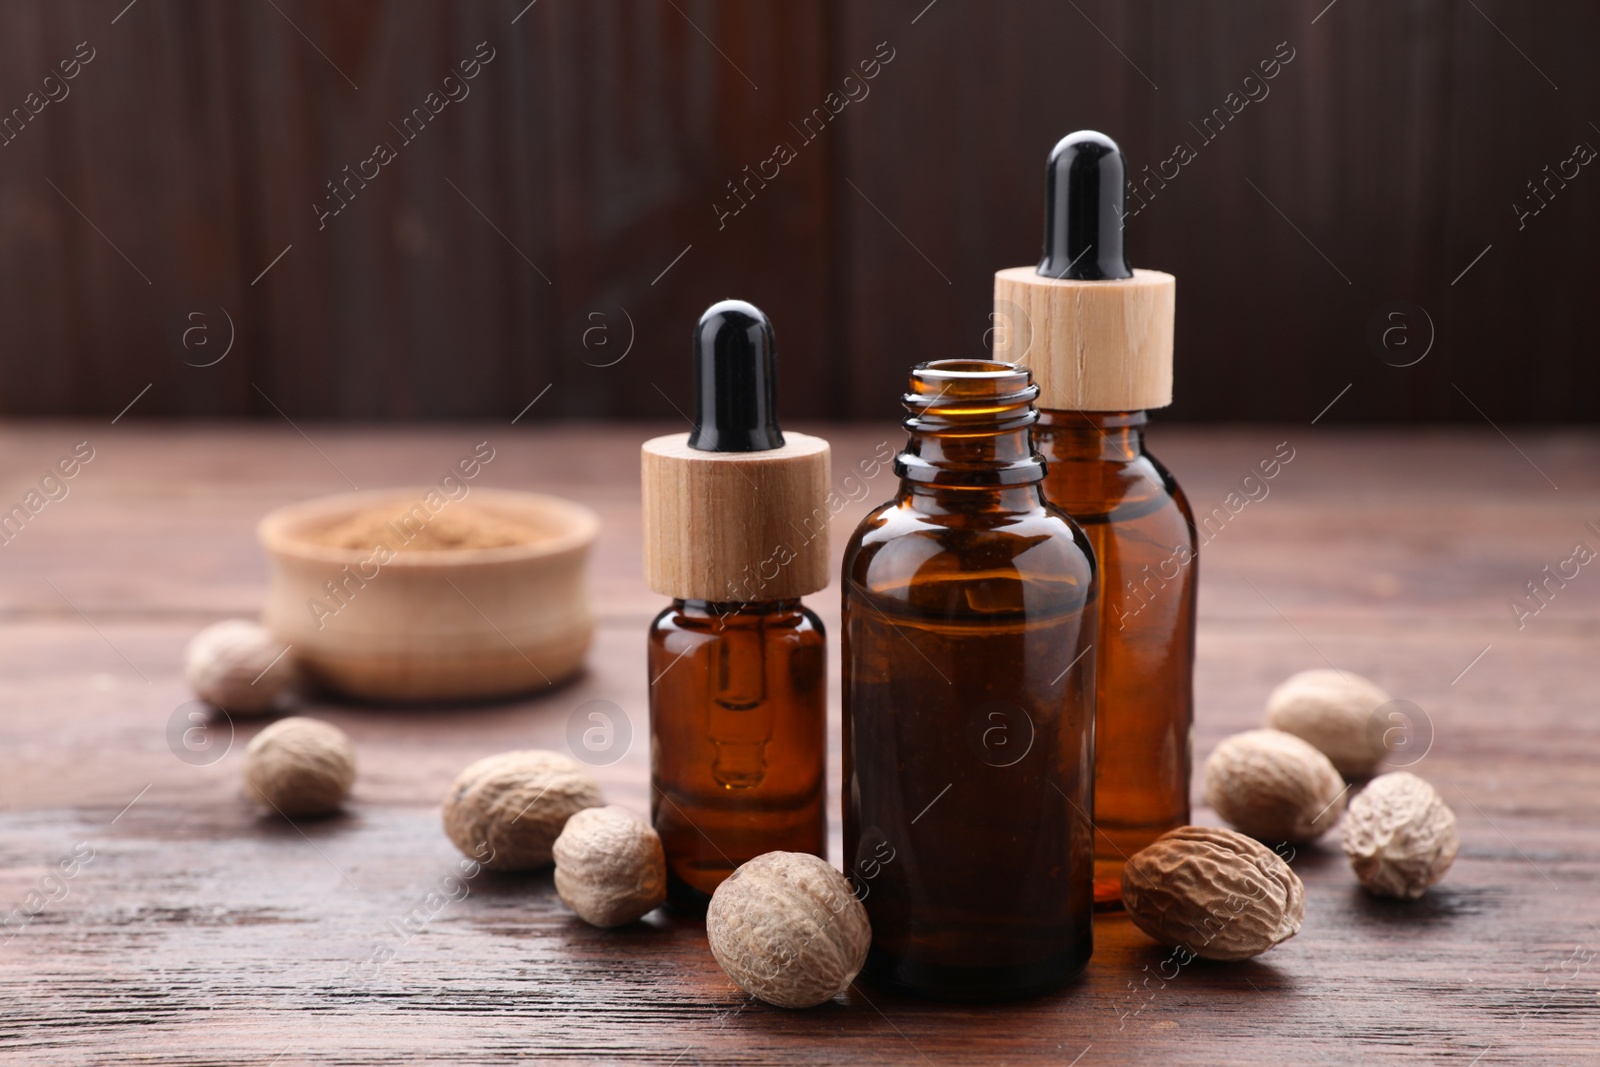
column 969, row 613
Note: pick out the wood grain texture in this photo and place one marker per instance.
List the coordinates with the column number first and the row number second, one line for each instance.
column 1092, row 346
column 736, row 526
column 200, row 932
column 603, row 181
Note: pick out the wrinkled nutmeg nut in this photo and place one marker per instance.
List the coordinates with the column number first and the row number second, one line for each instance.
column 506, row 811
column 1400, row 836
column 609, row 866
column 1274, row 786
column 237, row 666
column 1333, row 711
column 299, row 766
column 1214, row 893
column 787, row 928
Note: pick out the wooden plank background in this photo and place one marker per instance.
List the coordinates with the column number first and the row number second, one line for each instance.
column 564, row 210
column 201, row 932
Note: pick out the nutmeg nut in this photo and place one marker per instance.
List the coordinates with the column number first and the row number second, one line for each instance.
column 506, row 811
column 787, row 928
column 300, row 766
column 1274, row 786
column 1333, row 711
column 237, row 666
column 610, row 868
column 1400, row 836
column 1214, row 893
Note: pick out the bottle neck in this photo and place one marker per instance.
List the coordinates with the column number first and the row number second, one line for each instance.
column 944, row 500
column 1103, row 436
column 942, row 473
column 969, row 442
column 733, row 615
column 731, row 611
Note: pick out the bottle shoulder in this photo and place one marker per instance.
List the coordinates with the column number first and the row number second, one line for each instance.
column 809, row 621
column 893, row 520
column 1173, row 491
column 896, row 542
column 1095, row 491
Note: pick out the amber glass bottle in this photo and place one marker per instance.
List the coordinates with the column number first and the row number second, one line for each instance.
column 737, row 666
column 738, row 741
column 1098, row 335
column 969, row 610
column 1142, row 530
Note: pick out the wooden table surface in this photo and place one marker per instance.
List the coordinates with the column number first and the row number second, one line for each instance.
column 198, row 931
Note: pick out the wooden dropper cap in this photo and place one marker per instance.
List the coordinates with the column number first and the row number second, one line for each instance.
column 736, row 510
column 1096, row 334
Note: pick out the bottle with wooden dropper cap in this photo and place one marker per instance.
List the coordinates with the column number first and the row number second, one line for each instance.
column 1098, row 338
column 735, row 532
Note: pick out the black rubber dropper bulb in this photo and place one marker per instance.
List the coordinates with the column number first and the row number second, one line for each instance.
column 1083, row 200
column 735, row 380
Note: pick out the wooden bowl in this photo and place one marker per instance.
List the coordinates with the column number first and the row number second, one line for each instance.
column 452, row 624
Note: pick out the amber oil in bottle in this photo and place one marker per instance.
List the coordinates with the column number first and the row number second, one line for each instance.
column 737, row 738
column 1139, row 523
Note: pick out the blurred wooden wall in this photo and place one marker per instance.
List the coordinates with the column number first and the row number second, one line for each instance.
column 568, row 205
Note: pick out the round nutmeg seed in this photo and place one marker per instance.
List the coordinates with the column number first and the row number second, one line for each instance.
column 237, row 666
column 1274, row 786
column 1214, row 893
column 1400, row 836
column 506, row 811
column 609, row 866
column 1335, row 712
column 299, row 766
column 787, row 928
